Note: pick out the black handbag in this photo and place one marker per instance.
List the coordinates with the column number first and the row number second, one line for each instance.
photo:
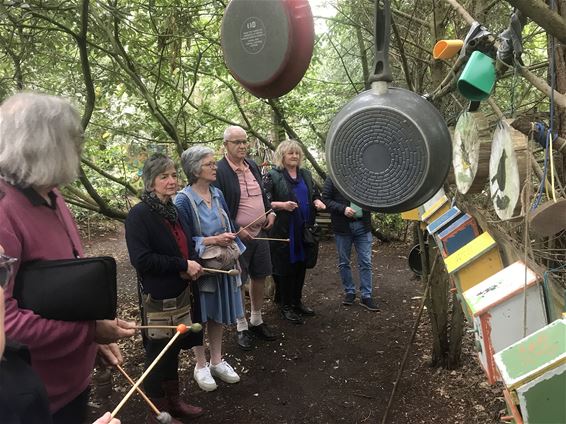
column 311, row 239
column 81, row 289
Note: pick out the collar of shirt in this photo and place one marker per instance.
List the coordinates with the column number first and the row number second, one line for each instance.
column 35, row 199
column 198, row 199
column 242, row 168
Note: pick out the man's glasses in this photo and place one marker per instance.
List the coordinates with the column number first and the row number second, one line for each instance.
column 6, row 269
column 210, row 165
column 239, row 142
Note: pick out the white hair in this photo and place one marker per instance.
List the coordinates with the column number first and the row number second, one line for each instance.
column 40, row 140
column 228, row 131
column 191, row 161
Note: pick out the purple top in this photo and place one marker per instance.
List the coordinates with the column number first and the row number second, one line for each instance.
column 62, row 353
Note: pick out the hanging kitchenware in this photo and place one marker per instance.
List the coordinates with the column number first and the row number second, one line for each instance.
column 504, row 183
column 388, row 149
column 268, row 44
column 478, row 77
column 446, row 49
column 549, row 218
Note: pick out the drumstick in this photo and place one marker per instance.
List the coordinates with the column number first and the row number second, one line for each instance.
column 231, row 272
column 161, row 417
column 181, row 328
column 271, row 239
column 195, row 327
column 254, row 221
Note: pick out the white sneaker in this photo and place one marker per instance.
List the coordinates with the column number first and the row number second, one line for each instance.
column 224, row 372
column 204, row 379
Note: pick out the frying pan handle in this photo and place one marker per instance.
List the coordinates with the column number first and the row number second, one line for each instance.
column 382, row 72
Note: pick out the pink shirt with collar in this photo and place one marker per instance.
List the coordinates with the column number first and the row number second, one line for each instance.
column 62, row 353
column 251, row 200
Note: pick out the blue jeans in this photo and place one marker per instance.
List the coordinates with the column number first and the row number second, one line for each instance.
column 362, row 241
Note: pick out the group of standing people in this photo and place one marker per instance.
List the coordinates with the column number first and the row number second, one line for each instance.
column 192, row 251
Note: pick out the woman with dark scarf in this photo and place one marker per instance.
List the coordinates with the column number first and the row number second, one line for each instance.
column 161, row 251
column 295, row 198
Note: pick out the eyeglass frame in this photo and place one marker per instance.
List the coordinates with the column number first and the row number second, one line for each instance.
column 239, row 142
column 210, row 165
column 7, row 263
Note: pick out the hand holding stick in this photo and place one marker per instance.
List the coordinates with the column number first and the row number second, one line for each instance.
column 161, row 417
column 181, row 328
column 254, row 221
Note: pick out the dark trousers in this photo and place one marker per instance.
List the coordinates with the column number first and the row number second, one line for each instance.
column 74, row 412
column 290, row 285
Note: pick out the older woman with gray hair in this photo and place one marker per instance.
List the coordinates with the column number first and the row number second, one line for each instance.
column 203, row 207
column 162, row 252
column 40, row 144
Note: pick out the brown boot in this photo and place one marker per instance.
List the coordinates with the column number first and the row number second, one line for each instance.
column 163, row 406
column 177, row 407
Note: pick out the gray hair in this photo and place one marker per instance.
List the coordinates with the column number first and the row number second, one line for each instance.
column 41, row 140
column 191, row 161
column 156, row 164
column 228, row 131
column 284, row 147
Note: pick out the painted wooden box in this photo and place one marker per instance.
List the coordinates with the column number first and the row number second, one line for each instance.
column 443, row 221
column 497, row 306
column 457, row 235
column 412, row 215
column 439, row 208
column 534, row 371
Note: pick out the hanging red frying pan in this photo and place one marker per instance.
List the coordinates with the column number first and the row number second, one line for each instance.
column 268, row 44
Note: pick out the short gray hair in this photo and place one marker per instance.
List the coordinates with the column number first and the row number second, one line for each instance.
column 191, row 161
column 41, row 140
column 228, row 131
column 156, row 164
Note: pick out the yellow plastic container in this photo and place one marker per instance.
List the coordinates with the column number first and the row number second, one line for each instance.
column 445, row 49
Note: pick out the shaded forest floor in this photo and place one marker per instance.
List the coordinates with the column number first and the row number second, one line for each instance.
column 338, row 368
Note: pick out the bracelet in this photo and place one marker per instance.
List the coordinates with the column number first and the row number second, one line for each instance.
column 272, row 213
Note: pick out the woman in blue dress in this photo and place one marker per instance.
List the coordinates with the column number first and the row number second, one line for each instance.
column 204, row 209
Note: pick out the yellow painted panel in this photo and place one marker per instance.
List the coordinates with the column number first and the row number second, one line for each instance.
column 477, row 247
column 412, row 215
column 441, row 203
column 437, row 214
column 478, row 270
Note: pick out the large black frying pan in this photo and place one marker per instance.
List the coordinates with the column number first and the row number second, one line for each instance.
column 388, row 149
column 268, row 44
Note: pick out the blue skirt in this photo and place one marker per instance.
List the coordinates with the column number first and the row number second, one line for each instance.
column 224, row 305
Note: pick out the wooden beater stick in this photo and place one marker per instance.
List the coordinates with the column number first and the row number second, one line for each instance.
column 254, row 221
column 229, row 272
column 272, row 239
column 143, row 395
column 181, row 328
column 195, row 327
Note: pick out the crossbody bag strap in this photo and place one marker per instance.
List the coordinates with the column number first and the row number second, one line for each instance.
column 196, row 219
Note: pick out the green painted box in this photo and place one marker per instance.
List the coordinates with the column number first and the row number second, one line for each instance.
column 534, row 371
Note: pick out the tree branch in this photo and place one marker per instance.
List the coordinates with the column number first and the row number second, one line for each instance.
column 545, row 17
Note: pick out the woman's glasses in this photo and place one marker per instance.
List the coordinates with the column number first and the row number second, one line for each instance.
column 210, row 165
column 6, row 269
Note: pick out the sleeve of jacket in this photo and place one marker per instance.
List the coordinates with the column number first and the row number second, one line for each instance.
column 328, row 194
column 142, row 255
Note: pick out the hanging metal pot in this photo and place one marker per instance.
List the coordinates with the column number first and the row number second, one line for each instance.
column 268, row 44
column 388, row 149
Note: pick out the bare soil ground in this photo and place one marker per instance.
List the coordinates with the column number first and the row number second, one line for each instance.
column 337, row 368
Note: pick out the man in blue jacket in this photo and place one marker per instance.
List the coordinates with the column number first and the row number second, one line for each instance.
column 240, row 180
column 351, row 225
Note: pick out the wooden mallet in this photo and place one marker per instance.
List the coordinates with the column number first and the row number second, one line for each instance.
column 231, row 272
column 194, row 327
column 161, row 416
column 181, row 328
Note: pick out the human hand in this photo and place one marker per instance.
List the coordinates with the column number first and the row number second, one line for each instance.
column 319, row 205
column 109, row 331
column 110, row 354
column 290, row 206
column 107, row 419
column 349, row 212
column 270, row 221
column 194, row 270
column 225, row 239
column 244, row 235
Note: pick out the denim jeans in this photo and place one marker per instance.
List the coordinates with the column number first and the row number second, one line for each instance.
column 362, row 241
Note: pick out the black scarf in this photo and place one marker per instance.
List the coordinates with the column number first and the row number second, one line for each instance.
column 167, row 210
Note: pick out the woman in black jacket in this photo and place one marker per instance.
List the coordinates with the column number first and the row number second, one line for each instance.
column 295, row 198
column 160, row 250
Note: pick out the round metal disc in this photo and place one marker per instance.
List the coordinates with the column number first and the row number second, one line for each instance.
column 466, row 150
column 379, row 158
column 256, row 40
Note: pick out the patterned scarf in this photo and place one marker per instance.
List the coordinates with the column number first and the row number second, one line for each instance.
column 166, row 210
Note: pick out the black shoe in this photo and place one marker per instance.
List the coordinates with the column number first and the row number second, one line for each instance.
column 290, row 315
column 349, row 299
column 369, row 304
column 262, row 331
column 245, row 339
column 304, row 310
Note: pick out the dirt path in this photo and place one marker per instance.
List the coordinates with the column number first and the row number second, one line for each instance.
column 338, row 368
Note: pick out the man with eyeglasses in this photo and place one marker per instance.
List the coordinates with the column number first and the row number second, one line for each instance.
column 240, row 180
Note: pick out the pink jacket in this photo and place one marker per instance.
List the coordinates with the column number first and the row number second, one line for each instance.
column 62, row 353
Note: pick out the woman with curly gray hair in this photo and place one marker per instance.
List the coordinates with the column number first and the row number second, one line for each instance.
column 203, row 208
column 40, row 144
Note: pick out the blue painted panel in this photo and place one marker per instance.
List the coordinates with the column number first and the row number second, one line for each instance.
column 444, row 220
column 457, row 235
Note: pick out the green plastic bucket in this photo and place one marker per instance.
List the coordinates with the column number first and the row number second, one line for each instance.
column 478, row 77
